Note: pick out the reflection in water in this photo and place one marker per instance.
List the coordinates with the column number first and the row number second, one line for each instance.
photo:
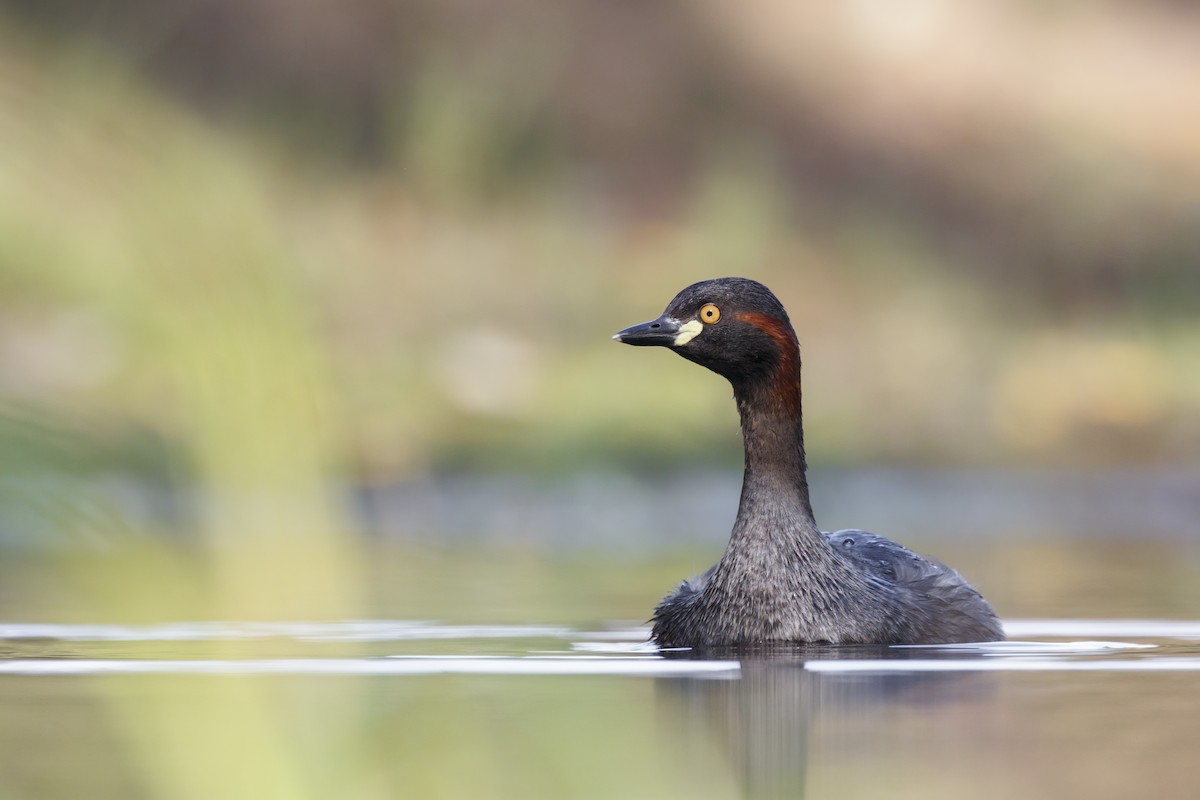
column 761, row 721
column 766, row 720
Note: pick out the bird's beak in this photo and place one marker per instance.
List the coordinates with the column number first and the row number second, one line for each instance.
column 664, row 331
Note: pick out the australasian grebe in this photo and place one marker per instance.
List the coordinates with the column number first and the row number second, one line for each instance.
column 781, row 579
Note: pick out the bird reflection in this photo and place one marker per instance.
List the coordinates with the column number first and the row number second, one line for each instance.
column 766, row 719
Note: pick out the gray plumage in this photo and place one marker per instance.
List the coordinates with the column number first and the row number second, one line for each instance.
column 907, row 598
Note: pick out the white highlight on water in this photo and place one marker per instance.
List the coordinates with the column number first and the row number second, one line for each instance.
column 1011, row 648
column 617, row 651
column 417, row 630
column 407, row 665
column 1004, row 665
column 340, row 631
column 1133, row 628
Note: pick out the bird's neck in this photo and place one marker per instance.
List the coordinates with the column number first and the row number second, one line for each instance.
column 775, row 501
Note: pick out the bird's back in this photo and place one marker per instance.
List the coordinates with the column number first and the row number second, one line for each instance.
column 954, row 610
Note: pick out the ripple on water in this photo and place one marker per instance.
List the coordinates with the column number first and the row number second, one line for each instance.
column 617, row 651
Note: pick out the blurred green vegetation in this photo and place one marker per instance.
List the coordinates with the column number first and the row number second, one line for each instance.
column 186, row 240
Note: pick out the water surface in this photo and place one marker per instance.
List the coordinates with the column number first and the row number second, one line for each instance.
column 389, row 708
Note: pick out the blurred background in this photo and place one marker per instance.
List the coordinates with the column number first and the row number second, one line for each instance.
column 305, row 306
column 285, row 282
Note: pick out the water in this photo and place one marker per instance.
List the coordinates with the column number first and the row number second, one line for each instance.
column 486, row 668
column 388, row 708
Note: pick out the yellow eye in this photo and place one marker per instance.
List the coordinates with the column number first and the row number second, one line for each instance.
column 710, row 314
